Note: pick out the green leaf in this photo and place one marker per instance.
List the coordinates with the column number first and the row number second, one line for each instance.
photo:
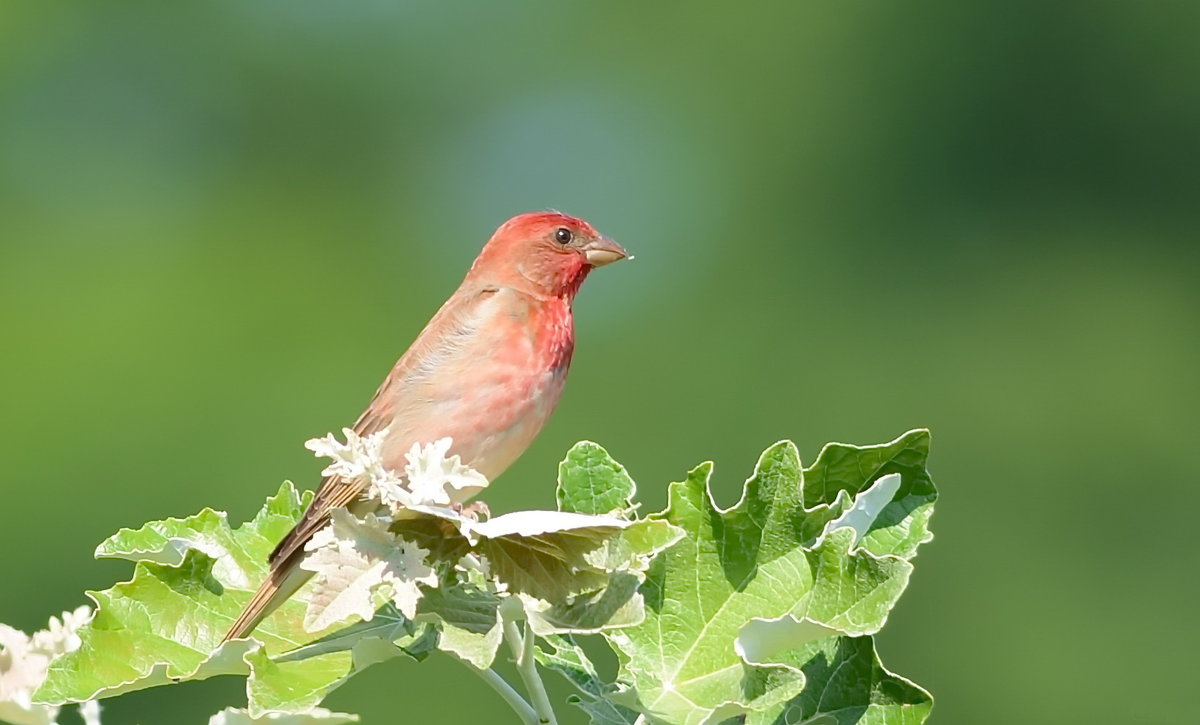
column 548, row 555
column 388, row 634
column 618, row 604
column 469, row 622
column 904, row 524
column 166, row 624
column 133, row 643
column 768, row 558
column 596, row 697
column 847, row 685
column 291, row 686
column 635, row 546
column 317, row 716
column 591, row 482
column 168, row 541
column 547, row 561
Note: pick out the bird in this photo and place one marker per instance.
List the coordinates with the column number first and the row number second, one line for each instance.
column 486, row 371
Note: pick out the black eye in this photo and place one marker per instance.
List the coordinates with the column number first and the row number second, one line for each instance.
column 562, row 235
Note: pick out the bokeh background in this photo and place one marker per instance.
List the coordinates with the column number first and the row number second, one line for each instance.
column 220, row 223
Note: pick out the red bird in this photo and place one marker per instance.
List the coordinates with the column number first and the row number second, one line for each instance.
column 486, row 371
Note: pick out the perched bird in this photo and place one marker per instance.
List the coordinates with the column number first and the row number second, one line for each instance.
column 486, row 371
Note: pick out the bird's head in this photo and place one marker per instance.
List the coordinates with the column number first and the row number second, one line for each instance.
column 544, row 252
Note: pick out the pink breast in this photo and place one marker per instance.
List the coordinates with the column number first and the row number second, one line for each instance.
column 494, row 399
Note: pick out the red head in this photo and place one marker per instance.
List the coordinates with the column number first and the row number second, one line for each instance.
column 546, row 253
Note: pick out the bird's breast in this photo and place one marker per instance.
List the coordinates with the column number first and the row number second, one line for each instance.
column 494, row 386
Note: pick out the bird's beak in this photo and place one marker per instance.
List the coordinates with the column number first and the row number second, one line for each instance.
column 604, row 251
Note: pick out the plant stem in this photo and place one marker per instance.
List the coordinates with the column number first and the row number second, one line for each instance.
column 506, row 692
column 521, row 645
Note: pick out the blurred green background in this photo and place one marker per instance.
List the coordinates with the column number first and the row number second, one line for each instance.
column 221, row 222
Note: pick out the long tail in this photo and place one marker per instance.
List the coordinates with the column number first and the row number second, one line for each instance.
column 282, row 582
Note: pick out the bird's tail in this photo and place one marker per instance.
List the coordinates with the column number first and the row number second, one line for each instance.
column 282, row 582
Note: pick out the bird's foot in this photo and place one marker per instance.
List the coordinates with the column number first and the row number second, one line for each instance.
column 476, row 510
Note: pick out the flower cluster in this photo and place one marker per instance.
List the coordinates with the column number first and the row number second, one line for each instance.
column 431, row 477
column 25, row 662
column 359, row 563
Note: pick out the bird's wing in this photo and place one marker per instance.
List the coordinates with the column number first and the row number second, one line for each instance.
column 455, row 317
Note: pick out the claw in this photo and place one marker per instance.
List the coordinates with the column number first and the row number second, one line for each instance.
column 476, row 510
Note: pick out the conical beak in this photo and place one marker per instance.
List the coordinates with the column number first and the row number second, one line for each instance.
column 604, row 251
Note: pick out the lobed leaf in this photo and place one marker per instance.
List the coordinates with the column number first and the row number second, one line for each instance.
column 769, row 573
column 596, row 697
column 591, row 482
column 847, row 685
column 548, row 555
column 165, row 625
column 903, row 525
column 469, row 622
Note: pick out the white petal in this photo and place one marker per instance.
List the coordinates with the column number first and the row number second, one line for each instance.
column 353, row 560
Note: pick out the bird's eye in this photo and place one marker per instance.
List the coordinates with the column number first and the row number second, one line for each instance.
column 562, row 235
